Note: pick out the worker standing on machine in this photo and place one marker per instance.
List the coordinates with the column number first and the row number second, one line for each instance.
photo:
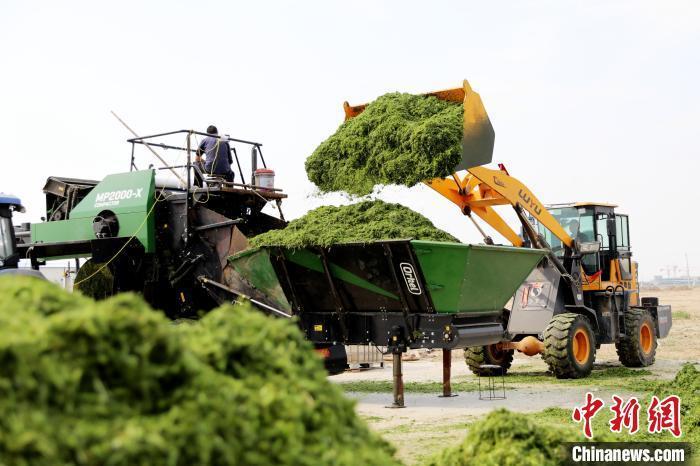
column 217, row 154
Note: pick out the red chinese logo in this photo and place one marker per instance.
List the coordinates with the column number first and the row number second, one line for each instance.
column 624, row 415
column 665, row 415
column 662, row 415
column 587, row 412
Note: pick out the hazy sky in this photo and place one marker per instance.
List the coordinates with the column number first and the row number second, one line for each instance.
column 593, row 100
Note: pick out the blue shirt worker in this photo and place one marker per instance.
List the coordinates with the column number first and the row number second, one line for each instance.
column 217, row 155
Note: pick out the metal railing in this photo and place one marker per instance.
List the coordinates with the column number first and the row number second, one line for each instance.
column 151, row 141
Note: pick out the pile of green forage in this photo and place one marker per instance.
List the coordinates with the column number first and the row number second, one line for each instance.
column 114, row 383
column 362, row 222
column 686, row 385
column 398, row 139
column 505, row 438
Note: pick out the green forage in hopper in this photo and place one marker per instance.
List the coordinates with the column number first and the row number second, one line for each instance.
column 361, row 222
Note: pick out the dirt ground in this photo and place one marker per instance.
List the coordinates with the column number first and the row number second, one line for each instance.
column 430, row 423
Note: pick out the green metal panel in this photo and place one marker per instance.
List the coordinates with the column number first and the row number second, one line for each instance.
column 473, row 278
column 460, row 278
column 255, row 267
column 129, row 195
column 313, row 261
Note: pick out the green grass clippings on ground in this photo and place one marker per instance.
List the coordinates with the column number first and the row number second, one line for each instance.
column 386, row 386
column 622, row 378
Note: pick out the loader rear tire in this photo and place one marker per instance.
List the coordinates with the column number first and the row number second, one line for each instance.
column 475, row 356
column 638, row 347
column 569, row 346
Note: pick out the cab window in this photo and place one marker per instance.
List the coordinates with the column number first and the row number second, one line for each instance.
column 602, row 229
column 578, row 222
column 623, row 240
column 567, row 218
column 586, row 232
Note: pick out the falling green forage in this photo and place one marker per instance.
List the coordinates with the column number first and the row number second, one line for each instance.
column 362, row 222
column 398, row 139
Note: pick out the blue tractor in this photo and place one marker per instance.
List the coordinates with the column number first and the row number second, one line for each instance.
column 9, row 256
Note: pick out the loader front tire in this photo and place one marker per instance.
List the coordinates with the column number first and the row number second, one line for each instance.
column 476, row 356
column 638, row 347
column 569, row 346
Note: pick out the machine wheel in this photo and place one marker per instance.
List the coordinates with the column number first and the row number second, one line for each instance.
column 569, row 346
column 94, row 280
column 638, row 348
column 475, row 356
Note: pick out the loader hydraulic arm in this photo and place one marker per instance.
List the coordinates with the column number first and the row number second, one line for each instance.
column 482, row 188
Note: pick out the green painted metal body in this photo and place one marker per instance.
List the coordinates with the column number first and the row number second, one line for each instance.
column 129, row 195
column 256, row 266
column 473, row 278
column 459, row 278
column 313, row 262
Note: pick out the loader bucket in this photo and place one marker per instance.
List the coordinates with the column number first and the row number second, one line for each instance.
column 478, row 135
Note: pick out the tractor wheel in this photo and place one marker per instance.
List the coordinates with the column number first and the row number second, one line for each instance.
column 475, row 356
column 569, row 346
column 94, row 280
column 638, row 347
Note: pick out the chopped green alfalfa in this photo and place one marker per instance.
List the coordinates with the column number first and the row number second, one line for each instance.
column 362, row 222
column 685, row 385
column 509, row 439
column 114, row 382
column 398, row 139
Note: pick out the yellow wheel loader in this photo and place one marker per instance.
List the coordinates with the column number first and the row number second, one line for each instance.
column 583, row 294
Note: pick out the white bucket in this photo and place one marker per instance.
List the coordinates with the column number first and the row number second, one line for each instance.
column 265, row 178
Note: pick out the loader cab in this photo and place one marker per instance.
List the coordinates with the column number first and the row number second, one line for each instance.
column 578, row 221
column 598, row 223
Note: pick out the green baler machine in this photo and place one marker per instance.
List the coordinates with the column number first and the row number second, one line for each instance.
column 407, row 292
column 117, row 207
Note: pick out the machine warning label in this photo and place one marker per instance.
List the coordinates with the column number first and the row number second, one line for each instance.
column 113, row 198
column 409, row 275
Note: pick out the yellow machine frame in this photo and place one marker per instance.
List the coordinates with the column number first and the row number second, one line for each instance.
column 480, row 188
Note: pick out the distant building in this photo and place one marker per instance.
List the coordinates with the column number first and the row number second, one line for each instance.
column 660, row 281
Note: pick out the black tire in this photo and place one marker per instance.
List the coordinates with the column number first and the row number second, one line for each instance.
column 335, row 358
column 475, row 356
column 569, row 346
column 638, row 347
column 94, row 280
